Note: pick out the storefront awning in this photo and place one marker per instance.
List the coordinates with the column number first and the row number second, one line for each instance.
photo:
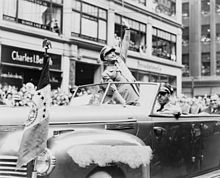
column 27, row 67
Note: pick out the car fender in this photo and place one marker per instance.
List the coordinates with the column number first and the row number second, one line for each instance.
column 86, row 149
column 64, row 142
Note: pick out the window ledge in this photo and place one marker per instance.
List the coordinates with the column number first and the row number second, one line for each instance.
column 29, row 29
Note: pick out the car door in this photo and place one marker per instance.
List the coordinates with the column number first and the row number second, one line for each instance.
column 176, row 144
column 210, row 155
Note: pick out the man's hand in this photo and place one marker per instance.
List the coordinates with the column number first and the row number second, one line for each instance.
column 177, row 115
column 113, row 87
column 125, row 23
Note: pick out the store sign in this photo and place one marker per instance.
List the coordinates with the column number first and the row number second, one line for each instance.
column 149, row 66
column 26, row 57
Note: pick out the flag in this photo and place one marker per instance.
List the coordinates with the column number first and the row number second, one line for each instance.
column 35, row 133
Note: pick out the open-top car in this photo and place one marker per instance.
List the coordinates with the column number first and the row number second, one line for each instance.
column 99, row 134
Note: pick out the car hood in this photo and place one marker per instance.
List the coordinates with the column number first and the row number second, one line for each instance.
column 12, row 120
column 71, row 114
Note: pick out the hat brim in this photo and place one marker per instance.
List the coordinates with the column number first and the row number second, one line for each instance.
column 108, row 51
column 164, row 89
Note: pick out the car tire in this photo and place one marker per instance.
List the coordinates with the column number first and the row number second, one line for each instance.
column 100, row 174
column 106, row 172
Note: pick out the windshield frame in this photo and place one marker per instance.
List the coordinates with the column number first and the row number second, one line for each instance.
column 147, row 94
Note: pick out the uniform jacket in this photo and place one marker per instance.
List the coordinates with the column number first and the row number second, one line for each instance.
column 168, row 108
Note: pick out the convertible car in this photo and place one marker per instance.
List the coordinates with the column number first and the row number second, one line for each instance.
column 97, row 134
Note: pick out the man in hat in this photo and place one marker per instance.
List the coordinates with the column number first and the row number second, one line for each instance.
column 113, row 61
column 164, row 103
column 116, row 69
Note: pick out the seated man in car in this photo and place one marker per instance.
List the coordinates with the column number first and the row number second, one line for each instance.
column 164, row 104
column 214, row 106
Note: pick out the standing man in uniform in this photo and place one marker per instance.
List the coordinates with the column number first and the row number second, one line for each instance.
column 117, row 71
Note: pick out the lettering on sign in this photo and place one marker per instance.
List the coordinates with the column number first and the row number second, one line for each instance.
column 26, row 57
column 36, row 59
column 149, row 67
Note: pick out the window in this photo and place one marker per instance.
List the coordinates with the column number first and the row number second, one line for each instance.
column 143, row 2
column 218, row 63
column 172, row 81
column 10, row 8
column 154, row 77
column 138, row 34
column 205, row 7
column 185, row 9
column 185, row 62
column 167, row 7
column 205, row 68
column 89, row 22
column 217, row 6
column 56, row 1
column 39, row 14
column 218, row 32
column 205, row 34
column 164, row 44
column 185, row 38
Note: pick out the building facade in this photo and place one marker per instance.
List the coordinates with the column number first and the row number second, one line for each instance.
column 201, row 47
column 79, row 29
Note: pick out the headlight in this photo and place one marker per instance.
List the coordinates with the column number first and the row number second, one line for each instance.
column 45, row 163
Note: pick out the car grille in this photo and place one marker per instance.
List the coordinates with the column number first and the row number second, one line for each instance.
column 8, row 168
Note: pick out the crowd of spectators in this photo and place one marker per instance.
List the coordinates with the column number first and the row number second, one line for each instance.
column 169, row 103
column 198, row 105
column 12, row 96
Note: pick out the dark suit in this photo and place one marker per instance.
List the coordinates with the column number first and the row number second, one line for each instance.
column 211, row 110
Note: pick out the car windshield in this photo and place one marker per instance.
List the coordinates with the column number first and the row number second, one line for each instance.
column 133, row 94
column 88, row 94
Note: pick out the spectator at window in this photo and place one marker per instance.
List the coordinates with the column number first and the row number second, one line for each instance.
column 55, row 26
column 117, row 41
